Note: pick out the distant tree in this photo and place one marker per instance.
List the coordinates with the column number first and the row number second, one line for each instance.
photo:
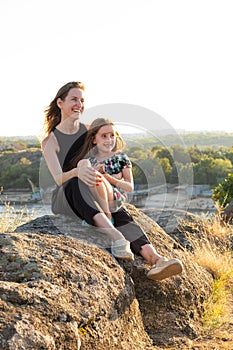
column 223, row 193
column 211, row 171
column 166, row 166
column 173, row 177
column 181, row 174
column 162, row 153
column 25, row 161
column 203, row 171
column 180, row 154
column 135, row 151
column 221, row 168
column 185, row 173
column 229, row 154
column 138, row 174
column 195, row 154
column 15, row 175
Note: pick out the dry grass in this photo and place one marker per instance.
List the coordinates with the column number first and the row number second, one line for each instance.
column 11, row 218
column 212, row 249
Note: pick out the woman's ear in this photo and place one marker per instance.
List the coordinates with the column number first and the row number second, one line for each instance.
column 59, row 102
column 93, row 140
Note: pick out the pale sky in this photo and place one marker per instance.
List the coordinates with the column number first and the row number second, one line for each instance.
column 173, row 57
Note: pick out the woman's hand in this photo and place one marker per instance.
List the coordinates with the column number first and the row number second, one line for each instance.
column 99, row 166
column 89, row 175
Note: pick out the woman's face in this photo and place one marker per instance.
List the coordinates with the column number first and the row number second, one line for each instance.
column 73, row 105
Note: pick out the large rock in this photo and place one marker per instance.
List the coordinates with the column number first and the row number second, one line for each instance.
column 181, row 225
column 61, row 289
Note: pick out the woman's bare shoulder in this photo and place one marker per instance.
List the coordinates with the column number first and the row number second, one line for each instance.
column 49, row 140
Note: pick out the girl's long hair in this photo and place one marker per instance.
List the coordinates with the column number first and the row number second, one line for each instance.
column 53, row 112
column 89, row 148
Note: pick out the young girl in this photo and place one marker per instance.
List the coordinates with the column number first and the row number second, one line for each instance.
column 103, row 150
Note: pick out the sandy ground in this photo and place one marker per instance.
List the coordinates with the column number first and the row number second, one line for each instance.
column 178, row 200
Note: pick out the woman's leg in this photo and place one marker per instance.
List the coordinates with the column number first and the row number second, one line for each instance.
column 132, row 232
column 149, row 253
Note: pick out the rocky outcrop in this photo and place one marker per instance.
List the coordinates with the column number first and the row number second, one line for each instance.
column 182, row 226
column 60, row 289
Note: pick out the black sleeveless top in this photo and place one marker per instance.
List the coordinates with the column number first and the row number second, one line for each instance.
column 70, row 144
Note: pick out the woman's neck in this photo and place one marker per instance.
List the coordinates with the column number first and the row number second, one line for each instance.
column 69, row 126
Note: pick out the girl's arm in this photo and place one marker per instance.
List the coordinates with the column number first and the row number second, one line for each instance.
column 126, row 183
column 50, row 148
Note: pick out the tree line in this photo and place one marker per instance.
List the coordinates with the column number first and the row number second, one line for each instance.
column 152, row 165
column 177, row 164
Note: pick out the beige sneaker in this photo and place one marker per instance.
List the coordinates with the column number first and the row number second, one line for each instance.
column 121, row 250
column 165, row 268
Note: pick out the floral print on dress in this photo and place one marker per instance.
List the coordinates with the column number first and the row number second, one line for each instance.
column 114, row 164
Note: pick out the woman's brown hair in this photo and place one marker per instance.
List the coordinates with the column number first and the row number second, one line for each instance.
column 53, row 112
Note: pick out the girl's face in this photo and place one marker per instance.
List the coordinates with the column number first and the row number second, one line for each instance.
column 73, row 105
column 105, row 138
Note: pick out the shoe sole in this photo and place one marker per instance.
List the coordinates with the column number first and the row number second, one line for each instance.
column 127, row 258
column 165, row 272
column 122, row 251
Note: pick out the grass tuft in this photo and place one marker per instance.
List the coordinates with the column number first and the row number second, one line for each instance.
column 11, row 218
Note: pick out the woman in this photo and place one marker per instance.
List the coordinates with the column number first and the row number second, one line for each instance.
column 64, row 140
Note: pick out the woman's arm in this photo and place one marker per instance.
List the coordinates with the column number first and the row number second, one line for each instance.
column 50, row 148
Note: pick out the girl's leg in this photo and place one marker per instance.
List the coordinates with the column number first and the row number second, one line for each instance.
column 102, row 192
column 120, row 247
column 101, row 221
column 110, row 193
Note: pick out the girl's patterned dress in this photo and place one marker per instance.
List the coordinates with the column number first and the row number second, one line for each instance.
column 114, row 165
